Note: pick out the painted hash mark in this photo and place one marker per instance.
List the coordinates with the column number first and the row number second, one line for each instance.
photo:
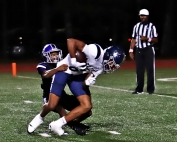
column 28, row 102
column 44, row 135
column 114, row 132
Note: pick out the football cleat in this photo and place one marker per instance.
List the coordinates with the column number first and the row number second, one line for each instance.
column 83, row 126
column 77, row 127
column 34, row 124
column 57, row 130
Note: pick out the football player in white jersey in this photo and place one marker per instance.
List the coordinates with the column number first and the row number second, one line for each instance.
column 98, row 61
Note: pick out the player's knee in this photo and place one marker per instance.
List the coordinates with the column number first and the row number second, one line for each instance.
column 86, row 106
column 51, row 106
column 89, row 113
column 89, row 107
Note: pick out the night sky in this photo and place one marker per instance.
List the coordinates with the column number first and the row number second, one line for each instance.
column 90, row 20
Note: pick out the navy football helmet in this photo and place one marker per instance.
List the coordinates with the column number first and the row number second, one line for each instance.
column 113, row 57
column 47, row 50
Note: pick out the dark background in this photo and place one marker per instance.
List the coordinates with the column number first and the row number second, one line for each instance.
column 27, row 25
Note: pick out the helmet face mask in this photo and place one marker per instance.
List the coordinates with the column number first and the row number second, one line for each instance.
column 51, row 53
column 113, row 57
column 110, row 65
column 54, row 56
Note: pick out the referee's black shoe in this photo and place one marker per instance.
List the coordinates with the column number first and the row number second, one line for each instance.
column 150, row 93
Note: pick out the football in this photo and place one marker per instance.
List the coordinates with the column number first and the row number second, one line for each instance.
column 80, row 57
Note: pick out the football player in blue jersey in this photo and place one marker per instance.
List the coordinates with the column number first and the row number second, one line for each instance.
column 51, row 55
column 98, row 61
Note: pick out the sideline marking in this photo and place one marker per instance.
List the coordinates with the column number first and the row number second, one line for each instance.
column 173, row 97
column 167, row 79
column 123, row 90
column 27, row 77
column 114, row 132
column 109, row 88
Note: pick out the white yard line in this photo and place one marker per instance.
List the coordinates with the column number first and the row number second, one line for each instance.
column 27, row 77
column 167, row 79
column 122, row 90
column 109, row 88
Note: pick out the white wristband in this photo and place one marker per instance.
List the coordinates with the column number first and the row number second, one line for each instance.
column 130, row 50
column 150, row 39
column 73, row 61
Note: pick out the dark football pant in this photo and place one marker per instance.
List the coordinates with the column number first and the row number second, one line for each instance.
column 145, row 61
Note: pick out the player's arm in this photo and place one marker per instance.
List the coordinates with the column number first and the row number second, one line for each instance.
column 50, row 73
column 73, row 45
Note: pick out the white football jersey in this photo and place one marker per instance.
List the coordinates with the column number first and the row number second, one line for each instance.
column 94, row 54
column 67, row 60
column 94, row 60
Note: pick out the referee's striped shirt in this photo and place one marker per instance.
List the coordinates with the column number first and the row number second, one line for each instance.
column 140, row 29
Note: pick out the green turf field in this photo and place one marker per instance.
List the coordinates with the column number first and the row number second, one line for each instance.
column 135, row 118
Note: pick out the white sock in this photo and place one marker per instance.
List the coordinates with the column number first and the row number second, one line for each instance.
column 60, row 122
column 40, row 117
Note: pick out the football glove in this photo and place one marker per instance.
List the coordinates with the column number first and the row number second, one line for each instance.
column 90, row 80
column 79, row 66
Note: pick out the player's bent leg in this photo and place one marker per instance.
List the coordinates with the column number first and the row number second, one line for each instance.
column 38, row 119
column 70, row 102
column 58, row 84
column 51, row 105
column 79, row 127
column 84, row 116
column 47, row 107
column 84, row 107
column 60, row 110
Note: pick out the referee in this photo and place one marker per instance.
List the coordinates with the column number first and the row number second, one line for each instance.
column 143, row 38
